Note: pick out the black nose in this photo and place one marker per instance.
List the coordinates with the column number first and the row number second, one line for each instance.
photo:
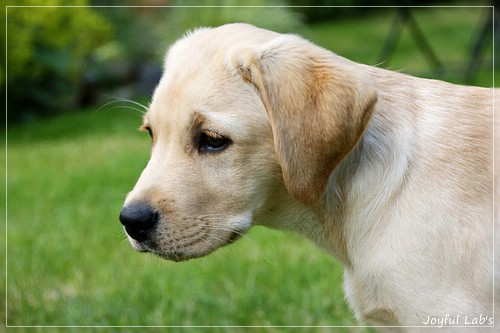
column 139, row 219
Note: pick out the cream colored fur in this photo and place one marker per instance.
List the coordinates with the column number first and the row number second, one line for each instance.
column 390, row 173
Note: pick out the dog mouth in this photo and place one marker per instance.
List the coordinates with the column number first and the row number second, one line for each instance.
column 233, row 237
column 184, row 238
column 173, row 256
column 172, row 251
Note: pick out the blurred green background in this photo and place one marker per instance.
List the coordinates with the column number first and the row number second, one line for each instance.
column 73, row 152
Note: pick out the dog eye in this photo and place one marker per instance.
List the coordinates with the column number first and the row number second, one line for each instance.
column 212, row 142
column 147, row 128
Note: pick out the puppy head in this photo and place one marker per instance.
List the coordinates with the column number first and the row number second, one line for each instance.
column 241, row 115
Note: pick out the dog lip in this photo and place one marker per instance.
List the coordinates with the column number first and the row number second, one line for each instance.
column 179, row 256
column 234, row 236
column 184, row 254
column 173, row 256
column 141, row 246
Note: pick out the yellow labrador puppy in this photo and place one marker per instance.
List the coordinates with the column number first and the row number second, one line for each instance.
column 390, row 173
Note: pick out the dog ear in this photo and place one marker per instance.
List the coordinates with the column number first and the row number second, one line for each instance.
column 318, row 104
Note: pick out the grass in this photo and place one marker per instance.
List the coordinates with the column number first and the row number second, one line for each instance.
column 451, row 32
column 68, row 260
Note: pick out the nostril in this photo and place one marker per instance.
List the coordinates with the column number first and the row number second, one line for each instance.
column 138, row 219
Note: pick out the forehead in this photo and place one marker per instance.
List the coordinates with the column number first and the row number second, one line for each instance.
column 196, row 80
column 203, row 91
column 200, row 98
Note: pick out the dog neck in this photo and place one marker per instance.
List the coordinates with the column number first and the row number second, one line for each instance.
column 359, row 189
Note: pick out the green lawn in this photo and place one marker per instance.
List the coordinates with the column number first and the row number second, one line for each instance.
column 451, row 32
column 68, row 260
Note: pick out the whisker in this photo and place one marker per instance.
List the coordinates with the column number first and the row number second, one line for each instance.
column 123, row 238
column 242, row 234
column 106, row 105
column 145, row 108
column 120, row 234
column 142, row 109
column 125, row 107
column 208, row 216
column 215, row 227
